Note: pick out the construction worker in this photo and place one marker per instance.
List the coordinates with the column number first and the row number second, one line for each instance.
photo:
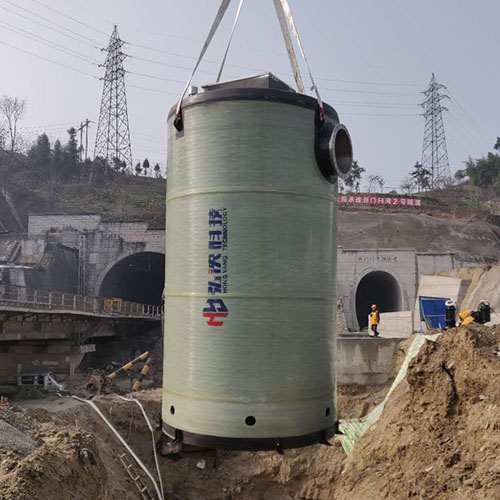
column 467, row 317
column 374, row 317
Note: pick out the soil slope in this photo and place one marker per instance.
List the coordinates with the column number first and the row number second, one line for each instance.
column 438, row 438
column 472, row 241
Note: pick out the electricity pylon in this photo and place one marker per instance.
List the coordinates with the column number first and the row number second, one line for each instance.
column 113, row 134
column 434, row 151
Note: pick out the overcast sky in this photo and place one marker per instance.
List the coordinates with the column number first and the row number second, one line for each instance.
column 371, row 60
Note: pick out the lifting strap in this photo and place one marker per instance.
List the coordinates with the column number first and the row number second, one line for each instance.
column 229, row 41
column 289, row 45
column 291, row 22
column 283, row 11
column 215, row 25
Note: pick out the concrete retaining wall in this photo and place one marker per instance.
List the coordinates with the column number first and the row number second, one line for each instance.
column 396, row 324
column 60, row 358
column 365, row 360
column 60, row 272
column 46, row 223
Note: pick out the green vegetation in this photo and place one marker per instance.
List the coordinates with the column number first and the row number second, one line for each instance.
column 53, row 179
column 353, row 179
column 421, row 176
column 485, row 172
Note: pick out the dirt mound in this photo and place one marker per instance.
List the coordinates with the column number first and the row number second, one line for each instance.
column 436, row 439
column 66, row 465
column 438, row 436
column 56, row 470
column 48, row 461
column 14, row 441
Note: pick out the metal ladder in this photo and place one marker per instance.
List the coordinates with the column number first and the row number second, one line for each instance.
column 143, row 490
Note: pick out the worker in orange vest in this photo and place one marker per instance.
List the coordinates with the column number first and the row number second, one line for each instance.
column 374, row 319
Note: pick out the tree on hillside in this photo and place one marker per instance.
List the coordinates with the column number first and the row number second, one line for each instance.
column 376, row 180
column 460, row 175
column 117, row 165
column 421, row 176
column 12, row 109
column 3, row 135
column 406, row 185
column 57, row 160
column 145, row 166
column 497, row 145
column 353, row 179
column 157, row 170
column 484, row 172
column 71, row 155
column 40, row 154
column 138, row 168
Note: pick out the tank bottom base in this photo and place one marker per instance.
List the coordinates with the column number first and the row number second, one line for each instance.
column 278, row 444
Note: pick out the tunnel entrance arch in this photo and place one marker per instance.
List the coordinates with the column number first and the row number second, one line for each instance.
column 377, row 287
column 139, row 277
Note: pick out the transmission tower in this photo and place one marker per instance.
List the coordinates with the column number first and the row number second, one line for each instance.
column 434, row 151
column 113, row 134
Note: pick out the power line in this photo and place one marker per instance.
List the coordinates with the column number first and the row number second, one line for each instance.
column 154, row 77
column 176, row 66
column 69, row 17
column 51, row 22
column 471, row 122
column 375, row 105
column 380, row 114
column 149, row 135
column 78, row 70
column 153, row 90
column 377, row 92
column 50, row 125
column 465, row 136
column 48, row 43
column 48, row 60
column 193, row 58
column 359, row 82
column 155, row 49
column 48, row 27
column 76, row 4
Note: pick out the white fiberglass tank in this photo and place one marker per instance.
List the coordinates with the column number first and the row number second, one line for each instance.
column 250, row 297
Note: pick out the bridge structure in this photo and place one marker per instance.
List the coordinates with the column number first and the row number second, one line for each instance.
column 48, row 330
column 22, row 301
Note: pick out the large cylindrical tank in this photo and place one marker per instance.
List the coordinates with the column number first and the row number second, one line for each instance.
column 250, row 297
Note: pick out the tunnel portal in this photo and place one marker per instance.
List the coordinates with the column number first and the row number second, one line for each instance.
column 377, row 287
column 138, row 278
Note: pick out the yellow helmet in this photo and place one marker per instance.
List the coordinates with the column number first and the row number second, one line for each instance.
column 374, row 306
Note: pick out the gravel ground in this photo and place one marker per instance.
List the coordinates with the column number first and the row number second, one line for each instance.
column 14, row 440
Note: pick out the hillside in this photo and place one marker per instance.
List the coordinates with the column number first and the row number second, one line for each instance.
column 451, row 222
column 114, row 195
column 476, row 241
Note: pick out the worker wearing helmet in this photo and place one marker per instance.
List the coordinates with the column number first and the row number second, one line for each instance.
column 374, row 317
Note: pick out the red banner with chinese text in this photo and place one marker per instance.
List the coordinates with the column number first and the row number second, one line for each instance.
column 363, row 199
